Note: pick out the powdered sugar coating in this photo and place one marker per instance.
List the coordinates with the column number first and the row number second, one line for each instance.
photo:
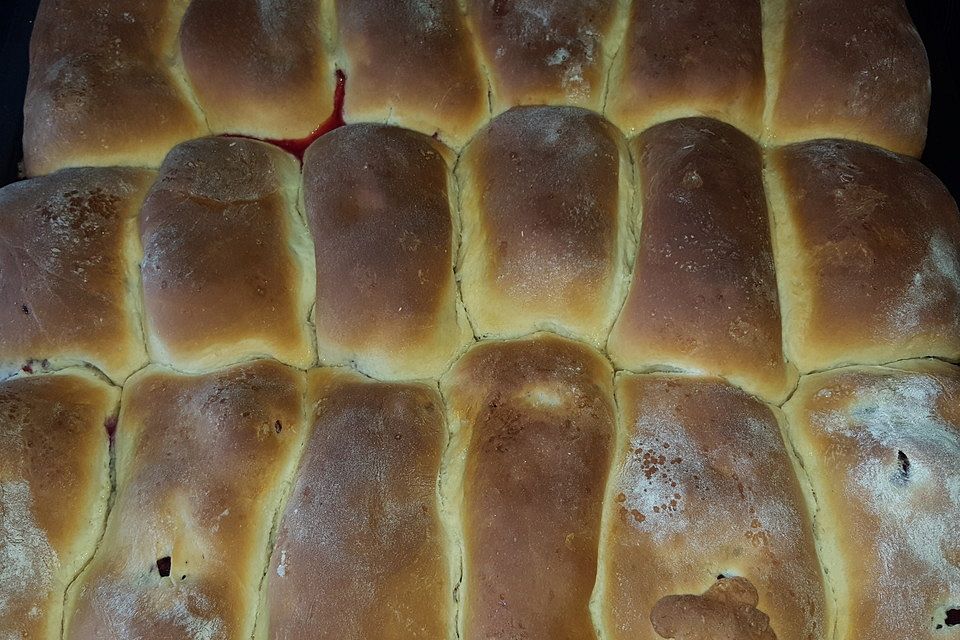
column 667, row 469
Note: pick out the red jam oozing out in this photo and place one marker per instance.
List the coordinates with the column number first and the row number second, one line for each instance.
column 298, row 146
column 110, row 424
column 31, row 365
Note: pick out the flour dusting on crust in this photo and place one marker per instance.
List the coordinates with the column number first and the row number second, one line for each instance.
column 173, row 607
column 28, row 564
column 936, row 282
column 667, row 469
column 907, row 477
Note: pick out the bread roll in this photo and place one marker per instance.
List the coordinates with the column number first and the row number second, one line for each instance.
column 377, row 201
column 533, row 424
column 68, row 265
column 54, row 486
column 880, row 448
column 704, row 292
column 546, row 51
column 703, row 491
column 545, row 208
column 200, row 464
column 227, row 261
column 854, row 70
column 411, row 63
column 867, row 255
column 103, row 89
column 692, row 58
column 361, row 551
column 258, row 68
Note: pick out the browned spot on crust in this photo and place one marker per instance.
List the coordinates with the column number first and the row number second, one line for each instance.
column 727, row 611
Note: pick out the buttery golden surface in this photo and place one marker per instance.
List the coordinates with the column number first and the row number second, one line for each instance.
column 258, row 68
column 415, row 376
column 68, row 271
column 867, row 255
column 702, row 486
column 534, row 430
column 199, row 467
column 880, row 447
column 225, row 257
column 361, row 551
column 704, row 290
column 54, row 488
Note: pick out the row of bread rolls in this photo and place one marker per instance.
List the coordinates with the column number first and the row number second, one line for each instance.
column 535, row 494
column 140, row 77
column 679, row 249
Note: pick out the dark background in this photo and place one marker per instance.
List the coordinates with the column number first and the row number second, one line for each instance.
column 938, row 22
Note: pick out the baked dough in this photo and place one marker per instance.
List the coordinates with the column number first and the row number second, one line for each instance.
column 879, row 446
column 533, row 424
column 362, row 551
column 404, row 301
column 54, row 492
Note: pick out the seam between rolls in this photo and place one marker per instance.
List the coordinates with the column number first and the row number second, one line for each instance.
column 632, row 229
column 813, row 508
column 480, row 58
column 108, row 509
column 772, row 33
column 598, row 594
column 456, row 214
column 178, row 70
column 450, row 486
column 767, row 177
column 299, row 210
column 451, row 521
column 283, row 492
column 621, row 22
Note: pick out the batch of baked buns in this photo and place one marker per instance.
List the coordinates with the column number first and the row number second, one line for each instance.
column 478, row 320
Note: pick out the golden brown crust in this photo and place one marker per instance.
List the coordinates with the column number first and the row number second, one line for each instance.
column 703, row 486
column 226, row 261
column 704, row 291
column 545, row 51
column 726, row 611
column 104, row 93
column 69, row 270
column 411, row 63
column 853, row 70
column 689, row 58
column 257, row 67
column 360, row 552
column 376, row 199
column 534, row 423
column 200, row 461
column 880, row 447
column 545, row 213
column 54, row 485
column 868, row 253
